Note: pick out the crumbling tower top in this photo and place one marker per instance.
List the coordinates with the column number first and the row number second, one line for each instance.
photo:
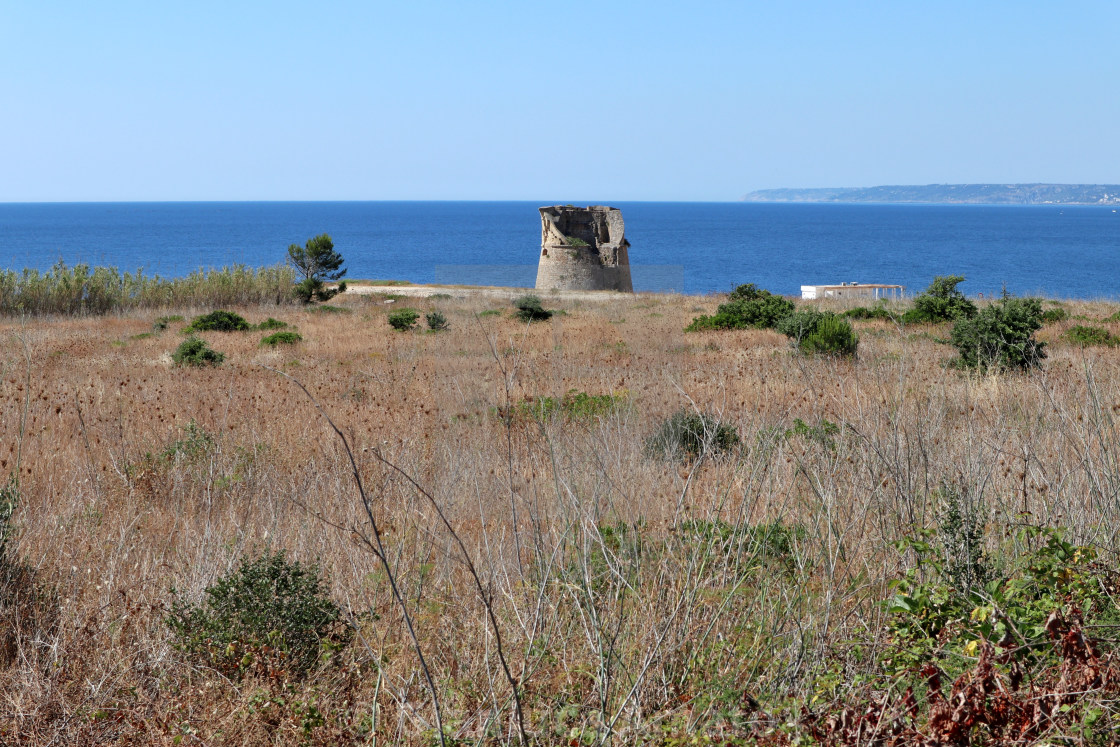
column 583, row 248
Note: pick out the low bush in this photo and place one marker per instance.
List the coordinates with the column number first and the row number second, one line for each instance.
column 1001, row 336
column 218, row 321
column 1088, row 336
column 820, row 333
column 748, row 306
column 1057, row 314
column 271, row 323
column 437, row 322
column 309, row 290
column 165, row 321
column 691, row 435
column 576, row 405
column 269, row 611
column 194, row 351
column 282, row 338
column 875, row 312
column 941, row 302
column 529, row 309
column 403, row 320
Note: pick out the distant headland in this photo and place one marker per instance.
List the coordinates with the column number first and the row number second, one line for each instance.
column 954, row 194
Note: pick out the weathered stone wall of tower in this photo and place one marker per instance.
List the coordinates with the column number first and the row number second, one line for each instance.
column 583, row 249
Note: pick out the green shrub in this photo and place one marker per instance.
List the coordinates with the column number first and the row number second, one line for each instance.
column 748, row 306
column 437, row 322
column 575, row 405
column 314, row 289
column 1088, row 336
column 820, row 333
column 490, row 312
column 941, row 302
column 271, row 323
column 403, row 320
column 165, row 321
column 1001, row 336
column 691, row 435
column 195, row 352
column 1057, row 314
column 282, row 338
column 934, row 618
column 269, row 610
column 529, row 309
column 875, row 312
column 218, row 321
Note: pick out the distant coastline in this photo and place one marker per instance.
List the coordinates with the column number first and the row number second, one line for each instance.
column 952, row 194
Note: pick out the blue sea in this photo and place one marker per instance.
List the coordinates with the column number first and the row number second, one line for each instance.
column 1057, row 251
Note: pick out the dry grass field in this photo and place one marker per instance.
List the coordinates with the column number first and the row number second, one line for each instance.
column 565, row 584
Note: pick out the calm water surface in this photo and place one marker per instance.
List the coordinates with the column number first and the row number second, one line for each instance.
column 1070, row 252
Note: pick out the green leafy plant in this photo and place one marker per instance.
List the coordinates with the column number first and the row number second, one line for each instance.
column 1055, row 314
column 1088, row 336
column 165, row 321
column 282, row 338
column 529, row 309
column 874, row 312
column 941, row 302
column 218, row 321
column 936, row 617
column 824, row 433
column 820, row 333
column 1001, row 336
column 437, row 322
column 748, row 306
column 269, row 611
column 690, row 435
column 403, row 320
column 575, row 241
column 271, row 323
column 194, row 351
column 576, row 405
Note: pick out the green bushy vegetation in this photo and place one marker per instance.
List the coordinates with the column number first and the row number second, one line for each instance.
column 690, row 435
column 269, row 611
column 271, row 323
column 166, row 321
column 437, row 322
column 83, row 289
column 820, row 333
column 282, row 338
column 194, row 351
column 1001, row 336
column 873, row 312
column 748, row 306
column 317, row 263
column 1089, row 336
column 403, row 320
column 218, row 321
column 576, row 405
column 529, row 309
column 1055, row 314
column 941, row 302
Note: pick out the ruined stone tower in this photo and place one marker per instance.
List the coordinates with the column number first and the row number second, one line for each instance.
column 583, row 249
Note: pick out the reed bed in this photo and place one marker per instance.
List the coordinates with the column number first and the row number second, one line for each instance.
column 84, row 290
column 564, row 584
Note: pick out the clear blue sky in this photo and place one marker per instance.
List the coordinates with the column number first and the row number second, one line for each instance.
column 576, row 101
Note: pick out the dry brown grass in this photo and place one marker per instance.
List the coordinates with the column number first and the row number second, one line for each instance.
column 643, row 638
